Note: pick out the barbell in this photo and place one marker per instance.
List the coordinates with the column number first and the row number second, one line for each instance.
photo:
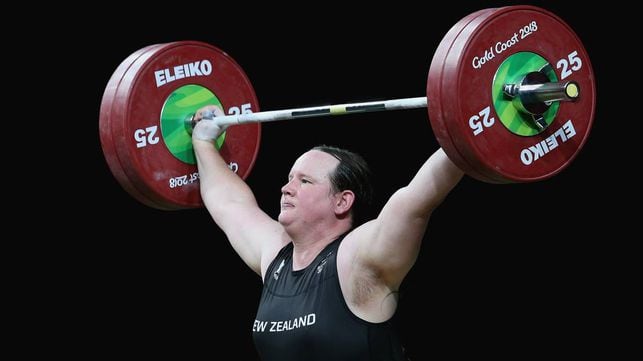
column 510, row 95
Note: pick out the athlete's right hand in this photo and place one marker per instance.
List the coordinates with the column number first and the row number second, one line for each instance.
column 204, row 126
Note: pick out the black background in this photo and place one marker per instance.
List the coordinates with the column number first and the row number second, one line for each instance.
column 504, row 269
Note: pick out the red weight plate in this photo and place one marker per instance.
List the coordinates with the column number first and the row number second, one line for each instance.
column 466, row 94
column 434, row 92
column 107, row 142
column 149, row 109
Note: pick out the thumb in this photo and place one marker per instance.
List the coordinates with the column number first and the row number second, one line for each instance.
column 207, row 129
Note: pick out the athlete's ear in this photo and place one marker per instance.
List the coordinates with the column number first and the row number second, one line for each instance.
column 343, row 202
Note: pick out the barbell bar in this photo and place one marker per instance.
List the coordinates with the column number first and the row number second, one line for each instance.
column 510, row 95
column 533, row 98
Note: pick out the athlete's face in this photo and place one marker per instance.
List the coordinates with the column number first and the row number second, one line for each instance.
column 307, row 197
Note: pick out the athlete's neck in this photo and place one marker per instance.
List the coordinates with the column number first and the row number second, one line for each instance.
column 305, row 250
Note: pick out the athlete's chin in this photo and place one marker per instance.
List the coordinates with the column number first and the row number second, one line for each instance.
column 283, row 218
column 286, row 217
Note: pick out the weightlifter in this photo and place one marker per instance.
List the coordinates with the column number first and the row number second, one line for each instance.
column 330, row 278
